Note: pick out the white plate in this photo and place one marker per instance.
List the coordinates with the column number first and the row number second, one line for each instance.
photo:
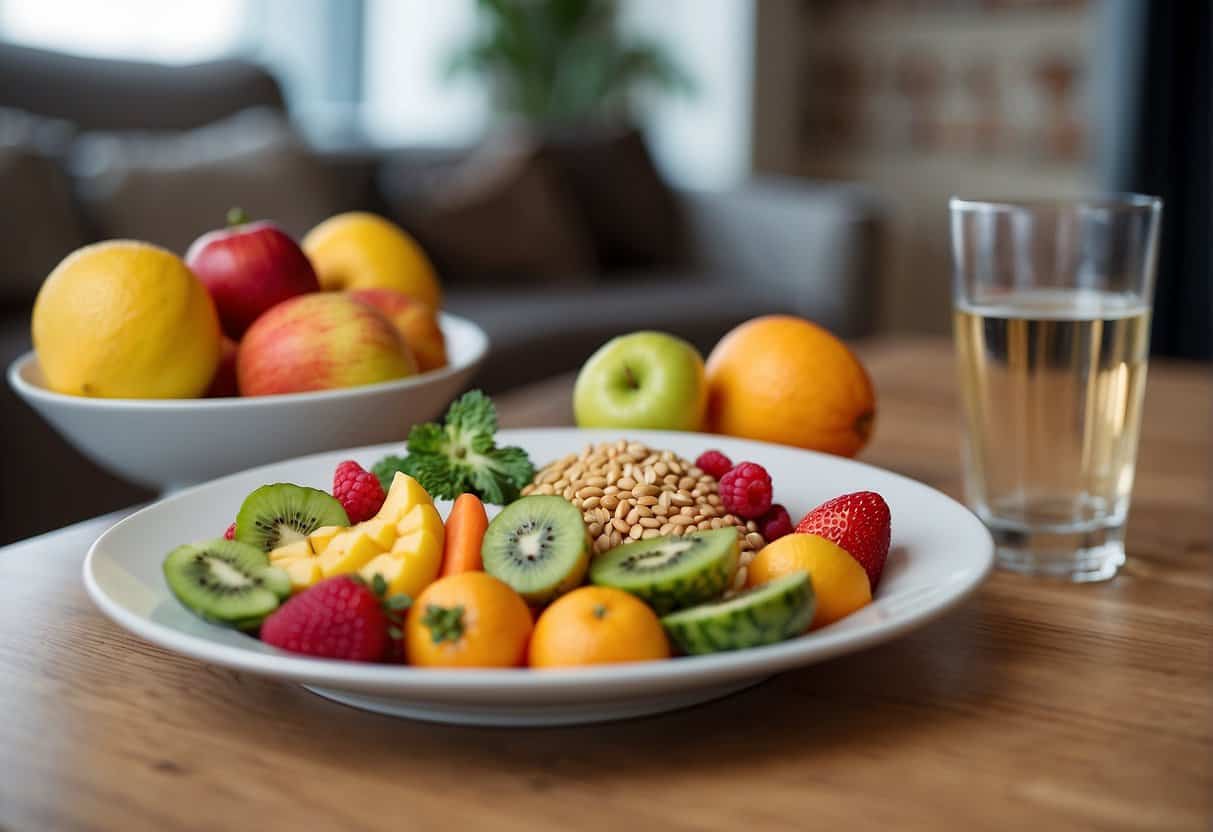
column 941, row 552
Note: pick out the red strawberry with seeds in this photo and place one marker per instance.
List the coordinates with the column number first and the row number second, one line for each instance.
column 358, row 491
column 338, row 618
column 859, row 523
column 230, row 534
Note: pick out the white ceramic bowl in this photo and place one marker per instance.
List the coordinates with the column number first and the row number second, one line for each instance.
column 941, row 552
column 170, row 443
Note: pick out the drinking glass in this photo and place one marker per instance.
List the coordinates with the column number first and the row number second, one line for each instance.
column 1052, row 324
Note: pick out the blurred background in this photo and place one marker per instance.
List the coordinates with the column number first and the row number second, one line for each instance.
column 579, row 168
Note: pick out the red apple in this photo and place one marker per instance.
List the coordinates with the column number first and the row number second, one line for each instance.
column 320, row 341
column 223, row 384
column 416, row 320
column 249, row 267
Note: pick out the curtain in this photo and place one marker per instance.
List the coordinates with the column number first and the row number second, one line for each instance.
column 1157, row 57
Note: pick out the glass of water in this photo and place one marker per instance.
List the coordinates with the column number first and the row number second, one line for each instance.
column 1052, row 325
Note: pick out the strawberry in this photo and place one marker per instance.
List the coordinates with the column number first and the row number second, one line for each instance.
column 338, row 618
column 858, row 523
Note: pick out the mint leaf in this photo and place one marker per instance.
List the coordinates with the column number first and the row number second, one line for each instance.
column 461, row 455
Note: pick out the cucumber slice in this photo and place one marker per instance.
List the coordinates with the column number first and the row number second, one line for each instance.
column 766, row 614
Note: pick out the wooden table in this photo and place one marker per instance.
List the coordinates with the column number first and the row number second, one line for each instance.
column 1035, row 706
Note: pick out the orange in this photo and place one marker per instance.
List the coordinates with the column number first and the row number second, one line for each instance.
column 467, row 620
column 360, row 250
column 839, row 582
column 597, row 625
column 783, row 379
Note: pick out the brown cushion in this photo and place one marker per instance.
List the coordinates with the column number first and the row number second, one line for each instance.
column 502, row 214
column 631, row 212
column 170, row 187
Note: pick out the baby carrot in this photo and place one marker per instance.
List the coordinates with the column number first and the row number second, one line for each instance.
column 464, row 532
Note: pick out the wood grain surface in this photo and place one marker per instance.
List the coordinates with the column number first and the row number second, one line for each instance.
column 1037, row 705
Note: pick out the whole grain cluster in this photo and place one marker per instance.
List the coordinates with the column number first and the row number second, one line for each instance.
column 629, row 491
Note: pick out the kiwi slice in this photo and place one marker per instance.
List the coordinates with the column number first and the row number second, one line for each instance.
column 539, row 546
column 278, row 514
column 671, row 573
column 766, row 614
column 226, row 582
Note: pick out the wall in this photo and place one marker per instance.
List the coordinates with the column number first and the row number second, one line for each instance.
column 923, row 99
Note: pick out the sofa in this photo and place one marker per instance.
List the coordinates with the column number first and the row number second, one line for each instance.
column 551, row 242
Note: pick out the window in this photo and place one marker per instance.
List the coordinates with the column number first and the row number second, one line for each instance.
column 172, row 32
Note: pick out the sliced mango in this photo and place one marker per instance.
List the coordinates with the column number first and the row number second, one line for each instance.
column 291, row 551
column 421, row 518
column 321, row 538
column 380, row 531
column 402, row 542
column 405, row 493
column 341, row 559
column 303, row 572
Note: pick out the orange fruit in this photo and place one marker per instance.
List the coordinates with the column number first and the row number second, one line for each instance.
column 784, row 379
column 597, row 625
column 467, row 620
column 839, row 581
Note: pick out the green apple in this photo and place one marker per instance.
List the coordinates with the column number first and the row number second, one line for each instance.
column 642, row 380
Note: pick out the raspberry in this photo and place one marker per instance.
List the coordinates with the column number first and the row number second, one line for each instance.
column 714, row 463
column 358, row 490
column 746, row 490
column 230, row 534
column 338, row 618
column 775, row 523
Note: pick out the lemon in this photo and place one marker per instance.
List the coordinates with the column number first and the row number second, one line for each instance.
column 124, row 319
column 359, row 250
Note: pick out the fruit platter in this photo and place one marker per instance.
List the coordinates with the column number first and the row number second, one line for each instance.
column 537, row 577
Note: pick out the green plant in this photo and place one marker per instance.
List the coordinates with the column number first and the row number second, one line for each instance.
column 556, row 62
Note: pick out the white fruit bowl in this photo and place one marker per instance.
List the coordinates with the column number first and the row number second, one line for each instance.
column 171, row 443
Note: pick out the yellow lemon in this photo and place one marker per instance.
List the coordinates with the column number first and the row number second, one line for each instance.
column 124, row 319
column 839, row 582
column 358, row 250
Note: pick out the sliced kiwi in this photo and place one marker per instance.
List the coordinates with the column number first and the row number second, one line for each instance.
column 539, row 546
column 278, row 514
column 226, row 582
column 766, row 614
column 671, row 573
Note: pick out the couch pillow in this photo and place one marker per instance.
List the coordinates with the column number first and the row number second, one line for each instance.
column 632, row 213
column 49, row 136
column 39, row 222
column 501, row 214
column 170, row 187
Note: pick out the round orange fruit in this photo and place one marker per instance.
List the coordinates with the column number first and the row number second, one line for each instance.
column 597, row 625
column 839, row 581
column 467, row 620
column 784, row 379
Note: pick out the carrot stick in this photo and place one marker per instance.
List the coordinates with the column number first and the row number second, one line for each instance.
column 465, row 527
